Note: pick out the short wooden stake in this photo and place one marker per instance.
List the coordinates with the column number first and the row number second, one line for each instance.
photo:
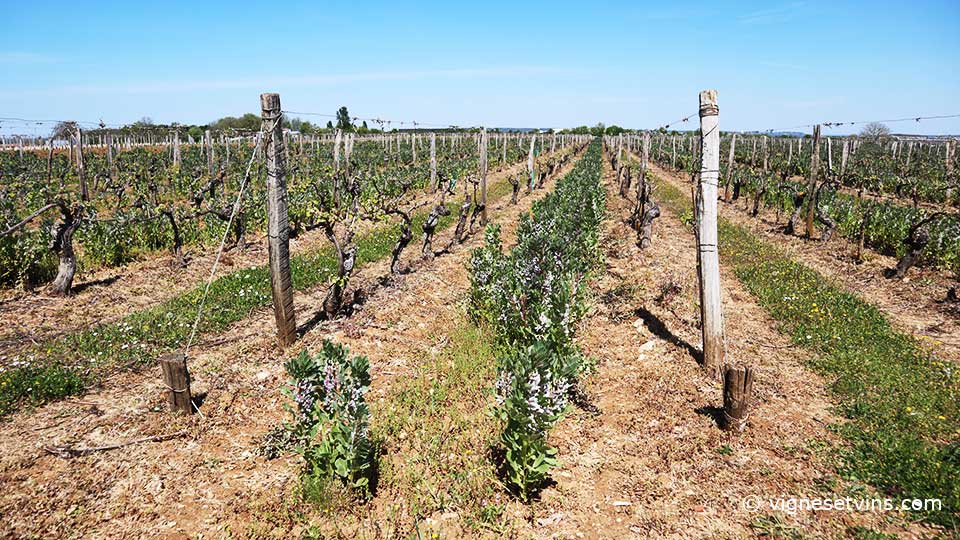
column 737, row 397
column 177, row 380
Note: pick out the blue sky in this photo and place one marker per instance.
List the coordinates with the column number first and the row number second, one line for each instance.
column 548, row 64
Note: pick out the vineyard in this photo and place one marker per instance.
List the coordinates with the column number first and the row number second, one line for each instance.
column 477, row 332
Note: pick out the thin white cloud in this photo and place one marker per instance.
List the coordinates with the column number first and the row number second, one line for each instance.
column 784, row 65
column 24, row 58
column 819, row 103
column 772, row 15
column 164, row 87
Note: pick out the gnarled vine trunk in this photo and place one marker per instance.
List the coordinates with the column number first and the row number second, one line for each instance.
column 346, row 259
column 61, row 243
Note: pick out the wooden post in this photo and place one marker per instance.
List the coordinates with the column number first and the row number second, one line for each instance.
column 208, row 142
column 706, row 207
column 829, row 155
column 109, row 146
column 812, row 180
column 730, row 165
column 949, row 170
column 766, row 154
column 336, row 151
column 433, row 161
column 176, row 148
column 50, row 160
column 278, row 229
column 844, row 154
column 483, row 176
column 533, row 140
column 737, row 397
column 177, row 380
column 347, row 151
column 81, row 167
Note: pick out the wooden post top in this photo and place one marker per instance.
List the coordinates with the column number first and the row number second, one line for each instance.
column 270, row 103
column 708, row 103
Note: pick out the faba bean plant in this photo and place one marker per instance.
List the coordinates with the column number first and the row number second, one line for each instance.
column 533, row 297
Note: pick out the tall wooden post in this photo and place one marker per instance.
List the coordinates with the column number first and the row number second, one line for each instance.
column 483, row 176
column 433, row 161
column 949, row 171
column 706, row 206
column 673, row 159
column 50, row 159
column 766, row 154
column 336, row 151
column 730, row 164
column 81, row 167
column 176, row 148
column 278, row 229
column 829, row 156
column 533, row 141
column 208, row 142
column 846, row 153
column 812, row 180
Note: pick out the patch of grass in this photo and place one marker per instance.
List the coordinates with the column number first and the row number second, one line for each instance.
column 773, row 526
column 860, row 532
column 902, row 400
column 69, row 364
column 437, row 429
column 439, row 422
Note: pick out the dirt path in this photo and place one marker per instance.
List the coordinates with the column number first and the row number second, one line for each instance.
column 914, row 304
column 653, row 463
column 112, row 293
column 209, row 482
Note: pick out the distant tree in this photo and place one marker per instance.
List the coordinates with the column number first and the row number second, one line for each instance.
column 329, row 124
column 247, row 122
column 145, row 121
column 64, row 130
column 875, row 130
column 343, row 119
column 365, row 128
column 598, row 129
column 303, row 126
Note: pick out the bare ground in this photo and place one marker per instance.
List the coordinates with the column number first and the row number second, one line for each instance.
column 209, row 482
column 653, row 463
column 915, row 304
